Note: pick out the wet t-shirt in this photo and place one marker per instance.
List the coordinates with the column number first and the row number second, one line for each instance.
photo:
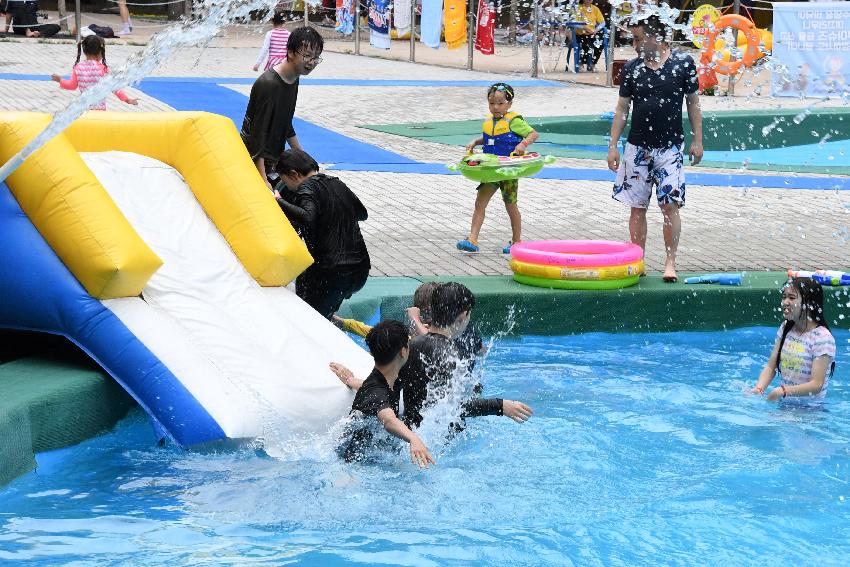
column 433, row 363
column 657, row 96
column 375, row 395
column 799, row 351
column 326, row 213
column 268, row 119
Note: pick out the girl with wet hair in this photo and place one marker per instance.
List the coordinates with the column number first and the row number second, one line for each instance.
column 90, row 71
column 804, row 352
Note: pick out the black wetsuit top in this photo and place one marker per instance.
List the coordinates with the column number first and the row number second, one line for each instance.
column 375, row 395
column 430, row 367
column 326, row 213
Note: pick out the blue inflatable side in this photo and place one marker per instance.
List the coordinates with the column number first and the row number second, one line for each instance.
column 38, row 293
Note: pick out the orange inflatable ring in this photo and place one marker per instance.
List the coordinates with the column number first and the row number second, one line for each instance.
column 751, row 53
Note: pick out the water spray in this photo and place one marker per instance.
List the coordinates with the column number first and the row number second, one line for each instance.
column 217, row 14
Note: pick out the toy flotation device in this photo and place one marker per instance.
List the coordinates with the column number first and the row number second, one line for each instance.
column 577, row 264
column 709, row 67
column 490, row 168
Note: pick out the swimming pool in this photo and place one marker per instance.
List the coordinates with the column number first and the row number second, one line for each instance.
column 643, row 450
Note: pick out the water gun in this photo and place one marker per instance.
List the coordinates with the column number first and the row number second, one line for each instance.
column 823, row 277
column 721, row 279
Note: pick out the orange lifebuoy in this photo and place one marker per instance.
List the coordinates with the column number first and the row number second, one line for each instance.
column 751, row 52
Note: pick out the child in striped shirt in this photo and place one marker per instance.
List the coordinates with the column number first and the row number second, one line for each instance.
column 274, row 44
column 87, row 73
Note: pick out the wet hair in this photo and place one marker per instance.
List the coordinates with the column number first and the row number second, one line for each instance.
column 811, row 301
column 448, row 302
column 422, row 299
column 503, row 87
column 653, row 26
column 305, row 36
column 278, row 18
column 92, row 45
column 385, row 341
column 298, row 161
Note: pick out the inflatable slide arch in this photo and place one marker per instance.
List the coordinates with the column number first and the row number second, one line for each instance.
column 151, row 242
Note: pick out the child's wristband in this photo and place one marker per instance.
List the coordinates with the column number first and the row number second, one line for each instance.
column 784, row 391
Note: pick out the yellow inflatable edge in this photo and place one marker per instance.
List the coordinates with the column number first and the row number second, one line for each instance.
column 74, row 213
column 572, row 273
column 207, row 151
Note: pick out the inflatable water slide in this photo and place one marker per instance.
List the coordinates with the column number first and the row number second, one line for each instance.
column 151, row 241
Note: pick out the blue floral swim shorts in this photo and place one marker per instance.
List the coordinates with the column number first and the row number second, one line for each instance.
column 642, row 169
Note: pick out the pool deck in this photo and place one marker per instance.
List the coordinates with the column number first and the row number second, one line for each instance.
column 760, row 222
column 732, row 222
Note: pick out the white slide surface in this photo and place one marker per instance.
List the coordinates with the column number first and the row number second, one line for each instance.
column 255, row 358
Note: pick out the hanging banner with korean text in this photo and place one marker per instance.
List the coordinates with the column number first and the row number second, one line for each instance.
column 811, row 44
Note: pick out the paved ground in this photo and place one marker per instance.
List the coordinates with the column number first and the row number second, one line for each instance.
column 415, row 219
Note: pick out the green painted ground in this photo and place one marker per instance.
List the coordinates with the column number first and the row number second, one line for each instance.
column 587, row 136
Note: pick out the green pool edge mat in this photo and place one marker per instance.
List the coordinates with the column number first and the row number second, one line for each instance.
column 48, row 404
column 505, row 306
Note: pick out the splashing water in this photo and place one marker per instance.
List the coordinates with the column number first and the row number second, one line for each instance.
column 218, row 14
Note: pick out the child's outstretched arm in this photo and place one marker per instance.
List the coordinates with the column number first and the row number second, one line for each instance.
column 124, row 98
column 346, row 376
column 418, row 450
column 527, row 141
column 476, row 142
column 820, row 366
column 264, row 51
column 67, row 84
column 415, row 317
column 768, row 372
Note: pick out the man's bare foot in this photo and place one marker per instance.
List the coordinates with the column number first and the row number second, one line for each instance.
column 33, row 33
column 670, row 274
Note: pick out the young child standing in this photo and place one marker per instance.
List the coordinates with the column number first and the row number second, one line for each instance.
column 87, row 73
column 804, row 352
column 274, row 44
column 504, row 133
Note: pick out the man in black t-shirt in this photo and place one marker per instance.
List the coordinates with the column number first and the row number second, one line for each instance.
column 326, row 213
column 267, row 125
column 656, row 82
column 378, row 395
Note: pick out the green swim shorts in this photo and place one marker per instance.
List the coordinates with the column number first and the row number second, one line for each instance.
column 508, row 187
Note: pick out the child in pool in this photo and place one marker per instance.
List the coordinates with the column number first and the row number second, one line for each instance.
column 504, row 133
column 87, row 73
column 378, row 396
column 469, row 343
column 804, row 352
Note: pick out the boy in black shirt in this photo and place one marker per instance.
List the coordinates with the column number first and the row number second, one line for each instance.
column 326, row 214
column 267, row 125
column 435, row 361
column 656, row 82
column 378, row 395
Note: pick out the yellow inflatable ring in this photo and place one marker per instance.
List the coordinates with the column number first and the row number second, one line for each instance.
column 569, row 273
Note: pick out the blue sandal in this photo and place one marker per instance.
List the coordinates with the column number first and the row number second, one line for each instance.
column 467, row 245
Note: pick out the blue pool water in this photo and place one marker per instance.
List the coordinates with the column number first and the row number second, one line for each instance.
column 643, row 450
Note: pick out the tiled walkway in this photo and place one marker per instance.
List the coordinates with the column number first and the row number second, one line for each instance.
column 415, row 218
